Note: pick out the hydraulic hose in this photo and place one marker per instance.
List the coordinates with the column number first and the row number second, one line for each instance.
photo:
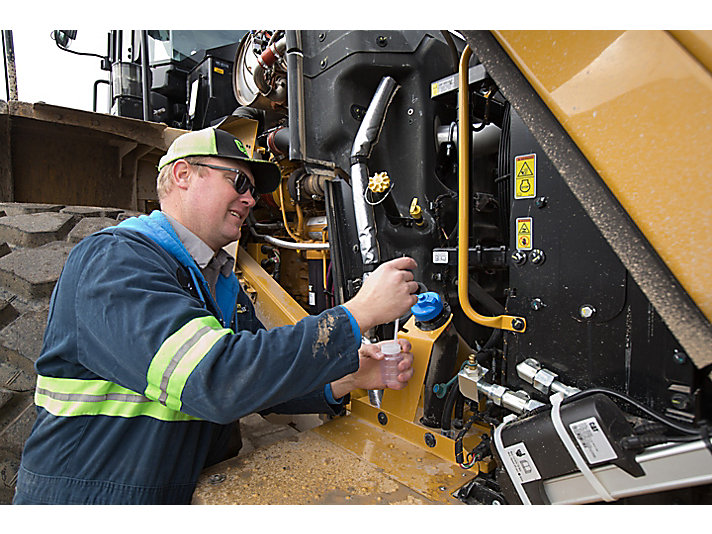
column 452, row 395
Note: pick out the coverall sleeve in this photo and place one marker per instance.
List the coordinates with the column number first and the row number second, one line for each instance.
column 137, row 327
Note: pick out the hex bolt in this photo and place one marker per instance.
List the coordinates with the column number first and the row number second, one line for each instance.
column 537, row 256
column 323, row 63
column 382, row 418
column 541, row 202
column 517, row 324
column 519, row 257
column 586, row 311
column 537, row 304
column 382, row 41
column 680, row 401
column 430, row 440
column 679, row 357
column 322, row 36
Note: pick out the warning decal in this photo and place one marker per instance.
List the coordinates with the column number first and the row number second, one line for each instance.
column 525, row 176
column 524, row 233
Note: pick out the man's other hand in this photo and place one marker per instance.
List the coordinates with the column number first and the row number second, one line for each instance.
column 368, row 375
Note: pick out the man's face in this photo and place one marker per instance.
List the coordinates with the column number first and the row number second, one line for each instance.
column 214, row 210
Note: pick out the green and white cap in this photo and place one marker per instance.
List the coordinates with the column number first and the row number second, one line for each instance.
column 221, row 144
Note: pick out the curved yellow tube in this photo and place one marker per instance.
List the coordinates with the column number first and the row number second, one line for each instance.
column 504, row 322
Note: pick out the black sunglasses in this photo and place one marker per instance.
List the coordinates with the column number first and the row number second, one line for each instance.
column 241, row 182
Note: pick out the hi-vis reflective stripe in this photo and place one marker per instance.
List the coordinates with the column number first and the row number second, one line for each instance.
column 178, row 356
column 70, row 397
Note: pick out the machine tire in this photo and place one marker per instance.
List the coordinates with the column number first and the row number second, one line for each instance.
column 35, row 240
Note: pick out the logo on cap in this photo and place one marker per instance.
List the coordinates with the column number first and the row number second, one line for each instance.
column 241, row 147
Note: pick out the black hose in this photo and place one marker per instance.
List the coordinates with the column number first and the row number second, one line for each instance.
column 452, row 394
column 453, row 50
column 459, row 411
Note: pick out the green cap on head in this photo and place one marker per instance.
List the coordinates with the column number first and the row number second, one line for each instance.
column 221, row 144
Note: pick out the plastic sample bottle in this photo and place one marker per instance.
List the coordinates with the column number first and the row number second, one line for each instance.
column 389, row 364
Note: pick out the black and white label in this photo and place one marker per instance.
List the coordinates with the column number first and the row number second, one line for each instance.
column 518, row 456
column 440, row 256
column 592, row 440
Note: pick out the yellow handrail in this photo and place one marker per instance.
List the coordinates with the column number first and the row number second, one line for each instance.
column 504, row 322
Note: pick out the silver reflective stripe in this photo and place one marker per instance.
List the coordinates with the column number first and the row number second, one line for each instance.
column 176, row 360
column 81, row 397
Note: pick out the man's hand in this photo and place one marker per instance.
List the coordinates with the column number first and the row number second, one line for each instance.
column 386, row 294
column 368, row 375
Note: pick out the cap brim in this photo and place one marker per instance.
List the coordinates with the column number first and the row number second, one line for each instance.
column 266, row 174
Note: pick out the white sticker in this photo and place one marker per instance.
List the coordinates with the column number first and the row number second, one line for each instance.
column 592, row 441
column 440, row 256
column 521, row 460
column 312, row 299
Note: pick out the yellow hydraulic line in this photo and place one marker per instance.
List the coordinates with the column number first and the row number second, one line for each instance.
column 504, row 322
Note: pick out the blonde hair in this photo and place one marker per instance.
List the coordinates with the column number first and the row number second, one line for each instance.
column 164, row 181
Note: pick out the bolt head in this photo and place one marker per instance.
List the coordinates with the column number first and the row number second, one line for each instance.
column 519, row 257
column 537, row 304
column 541, row 202
column 679, row 357
column 587, row 311
column 537, row 256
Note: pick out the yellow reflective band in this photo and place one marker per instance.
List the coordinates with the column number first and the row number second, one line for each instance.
column 178, row 356
column 72, row 397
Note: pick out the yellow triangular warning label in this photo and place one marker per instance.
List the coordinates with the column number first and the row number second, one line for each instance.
column 525, row 170
column 524, row 229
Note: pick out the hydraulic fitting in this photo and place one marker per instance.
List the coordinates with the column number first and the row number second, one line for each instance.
column 472, row 383
column 531, row 371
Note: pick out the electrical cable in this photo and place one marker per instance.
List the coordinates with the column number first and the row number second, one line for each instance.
column 636, row 404
column 700, row 432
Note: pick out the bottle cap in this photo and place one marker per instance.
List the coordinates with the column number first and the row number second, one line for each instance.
column 428, row 307
column 390, row 348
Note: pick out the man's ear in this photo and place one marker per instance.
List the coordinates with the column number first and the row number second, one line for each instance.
column 181, row 174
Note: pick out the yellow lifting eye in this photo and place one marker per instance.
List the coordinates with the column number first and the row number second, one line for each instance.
column 379, row 182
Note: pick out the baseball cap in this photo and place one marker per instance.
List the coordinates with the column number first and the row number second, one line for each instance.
column 221, row 144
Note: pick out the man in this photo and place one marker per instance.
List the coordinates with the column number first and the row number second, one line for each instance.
column 152, row 351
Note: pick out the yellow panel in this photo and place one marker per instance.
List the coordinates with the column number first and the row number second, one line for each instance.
column 273, row 305
column 639, row 106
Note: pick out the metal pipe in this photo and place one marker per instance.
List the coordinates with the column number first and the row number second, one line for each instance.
column 144, row 76
column 10, row 72
column 96, row 87
column 365, row 140
column 504, row 322
column 284, row 244
column 295, row 246
column 295, row 91
column 268, row 58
